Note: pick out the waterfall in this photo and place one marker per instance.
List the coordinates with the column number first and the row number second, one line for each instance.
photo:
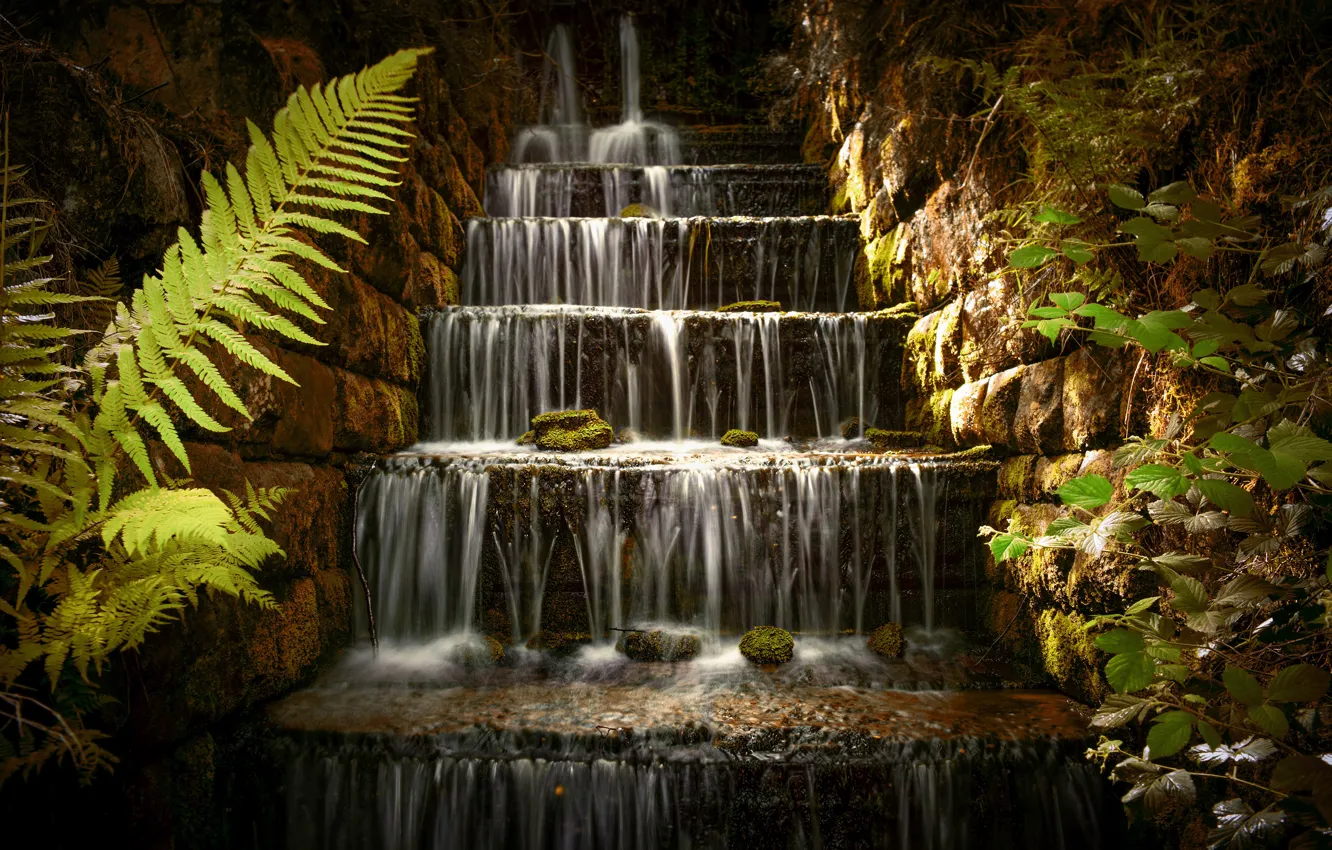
column 633, row 140
column 561, row 136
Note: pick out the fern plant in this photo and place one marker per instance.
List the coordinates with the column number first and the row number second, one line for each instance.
column 97, row 560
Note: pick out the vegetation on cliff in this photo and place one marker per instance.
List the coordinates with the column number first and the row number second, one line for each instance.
column 101, row 546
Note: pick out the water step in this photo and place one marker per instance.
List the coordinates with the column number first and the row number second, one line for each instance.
column 584, row 189
column 720, row 539
column 704, row 145
column 665, row 375
column 804, row 262
column 530, row 767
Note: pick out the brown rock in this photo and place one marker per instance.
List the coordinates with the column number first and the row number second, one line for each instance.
column 371, row 415
column 1000, row 406
column 1093, row 396
column 1038, row 426
column 433, row 284
column 965, row 409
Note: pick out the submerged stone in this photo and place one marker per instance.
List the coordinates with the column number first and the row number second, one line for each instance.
column 658, row 645
column 767, row 645
column 752, row 307
column 739, row 439
column 571, row 431
column 558, row 643
column 886, row 640
column 851, row 428
column 487, row 651
column 885, row 440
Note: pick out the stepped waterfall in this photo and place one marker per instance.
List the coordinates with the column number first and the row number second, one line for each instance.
column 475, row 544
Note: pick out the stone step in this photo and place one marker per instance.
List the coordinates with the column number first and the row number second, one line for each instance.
column 803, row 262
column 584, row 189
column 664, row 375
column 541, row 765
column 514, row 541
column 704, row 145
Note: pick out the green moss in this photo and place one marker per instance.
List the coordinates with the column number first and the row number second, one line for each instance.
column 487, row 651
column 851, row 428
column 1054, row 472
column 973, row 453
column 932, row 417
column 571, row 431
column 656, row 645
column 886, row 640
column 887, row 279
column 639, row 211
column 918, row 358
column 767, row 645
column 527, row 439
column 1069, row 654
column 739, row 439
column 887, row 440
column 1017, row 477
column 752, row 307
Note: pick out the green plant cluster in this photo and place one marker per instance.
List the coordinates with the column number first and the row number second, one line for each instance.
column 767, row 645
column 735, row 438
column 99, row 546
column 1228, row 665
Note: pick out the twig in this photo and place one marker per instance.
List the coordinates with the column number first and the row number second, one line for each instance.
column 356, row 559
column 989, row 121
column 145, row 92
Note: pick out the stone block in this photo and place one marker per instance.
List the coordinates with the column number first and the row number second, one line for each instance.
column 433, row 284
column 918, row 359
column 1017, row 477
column 371, row 415
column 1095, row 380
column 947, row 346
column 1000, row 407
column 1038, row 426
column 965, row 410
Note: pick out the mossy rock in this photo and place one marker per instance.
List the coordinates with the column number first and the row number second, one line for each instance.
column 767, row 645
column 657, row 645
column 739, row 439
column 571, row 431
column 639, row 211
column 486, row 652
column 886, row 640
column 885, row 440
column 558, row 643
column 527, row 439
column 851, row 428
column 752, row 307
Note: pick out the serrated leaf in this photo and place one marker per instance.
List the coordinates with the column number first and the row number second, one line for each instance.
column 1089, row 491
column 1006, row 546
column 1031, row 256
column 1050, row 215
column 1242, row 685
column 1298, row 683
column 1130, row 671
column 1270, row 719
column 1117, row 641
column 1125, row 198
column 1117, row 710
column 1227, row 496
column 1169, row 734
column 1166, row 482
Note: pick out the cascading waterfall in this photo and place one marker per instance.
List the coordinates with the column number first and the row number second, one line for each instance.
column 562, row 135
column 663, row 375
column 665, row 264
column 634, row 140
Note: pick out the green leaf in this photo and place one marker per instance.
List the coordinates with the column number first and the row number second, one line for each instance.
column 1179, row 192
column 1050, row 215
column 1247, row 295
column 1117, row 710
column 1120, row 640
column 1069, row 301
column 1077, row 251
column 1190, row 595
column 1209, row 734
column 1242, row 685
column 1141, row 605
column 1089, row 491
column 1158, row 479
column 1125, row 198
column 1130, row 671
column 1170, row 733
column 1298, row 683
column 1006, row 547
column 1227, row 496
column 1270, row 719
column 1031, row 256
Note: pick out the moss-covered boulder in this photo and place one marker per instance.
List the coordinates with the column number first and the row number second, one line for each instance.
column 888, row 440
column 658, row 645
column 886, row 640
column 752, row 307
column 571, row 431
column 851, row 428
column 558, row 643
column 481, row 653
column 738, row 439
column 528, row 438
column 767, row 645
column 1038, row 425
column 639, row 211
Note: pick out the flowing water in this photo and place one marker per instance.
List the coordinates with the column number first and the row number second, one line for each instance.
column 470, row 541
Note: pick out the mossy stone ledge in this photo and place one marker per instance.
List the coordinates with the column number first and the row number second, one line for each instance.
column 886, row 440
column 485, row 652
column 767, row 645
column 658, row 645
column 752, row 307
column 735, row 438
column 886, row 640
column 558, row 643
column 571, row 431
column 639, row 211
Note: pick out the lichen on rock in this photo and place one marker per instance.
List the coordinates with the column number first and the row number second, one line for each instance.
column 639, row 211
column 767, row 645
column 735, row 438
column 658, row 645
column 886, row 640
column 571, row 431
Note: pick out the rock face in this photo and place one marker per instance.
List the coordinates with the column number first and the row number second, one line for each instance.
column 883, row 440
column 571, row 431
column 737, row 439
column 886, row 640
column 767, row 645
column 1038, row 425
column 658, row 645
